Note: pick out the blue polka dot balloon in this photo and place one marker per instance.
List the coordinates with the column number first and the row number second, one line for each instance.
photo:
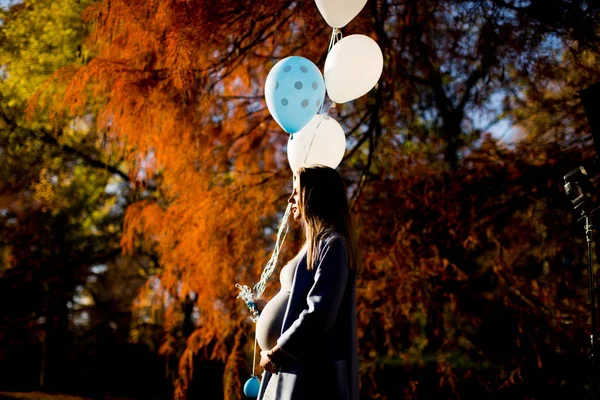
column 251, row 387
column 294, row 92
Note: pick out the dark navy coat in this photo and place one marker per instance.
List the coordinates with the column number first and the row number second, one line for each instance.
column 318, row 333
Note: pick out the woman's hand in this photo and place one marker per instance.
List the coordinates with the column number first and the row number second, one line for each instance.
column 260, row 304
column 267, row 363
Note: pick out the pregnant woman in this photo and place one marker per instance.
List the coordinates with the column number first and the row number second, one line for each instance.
column 307, row 332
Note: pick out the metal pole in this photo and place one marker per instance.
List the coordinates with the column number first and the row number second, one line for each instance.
column 589, row 235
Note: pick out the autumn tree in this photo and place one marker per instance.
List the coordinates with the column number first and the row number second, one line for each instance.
column 450, row 229
column 58, row 220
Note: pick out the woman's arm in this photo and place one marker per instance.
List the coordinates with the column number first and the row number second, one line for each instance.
column 323, row 300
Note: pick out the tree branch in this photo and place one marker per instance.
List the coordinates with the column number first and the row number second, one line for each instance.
column 92, row 162
column 47, row 138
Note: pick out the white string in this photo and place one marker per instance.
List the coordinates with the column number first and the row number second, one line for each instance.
column 313, row 138
column 259, row 288
column 336, row 36
column 254, row 359
column 250, row 296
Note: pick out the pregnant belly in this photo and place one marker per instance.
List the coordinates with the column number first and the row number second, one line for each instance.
column 268, row 326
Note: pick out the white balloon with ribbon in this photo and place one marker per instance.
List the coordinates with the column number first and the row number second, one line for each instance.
column 352, row 68
column 337, row 13
column 321, row 141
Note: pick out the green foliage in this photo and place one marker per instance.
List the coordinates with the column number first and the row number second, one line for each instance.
column 38, row 38
column 61, row 204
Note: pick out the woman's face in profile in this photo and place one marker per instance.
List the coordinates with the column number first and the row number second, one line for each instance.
column 294, row 198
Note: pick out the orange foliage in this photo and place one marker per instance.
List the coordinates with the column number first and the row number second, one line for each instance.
column 177, row 85
column 174, row 96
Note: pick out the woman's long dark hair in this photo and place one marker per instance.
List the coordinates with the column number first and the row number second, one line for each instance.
column 324, row 208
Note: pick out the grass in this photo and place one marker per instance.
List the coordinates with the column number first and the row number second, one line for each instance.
column 45, row 396
column 38, row 396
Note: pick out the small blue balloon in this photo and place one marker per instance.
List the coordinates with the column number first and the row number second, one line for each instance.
column 251, row 387
column 294, row 92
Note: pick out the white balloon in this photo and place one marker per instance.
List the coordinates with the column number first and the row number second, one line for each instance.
column 352, row 68
column 337, row 13
column 321, row 141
